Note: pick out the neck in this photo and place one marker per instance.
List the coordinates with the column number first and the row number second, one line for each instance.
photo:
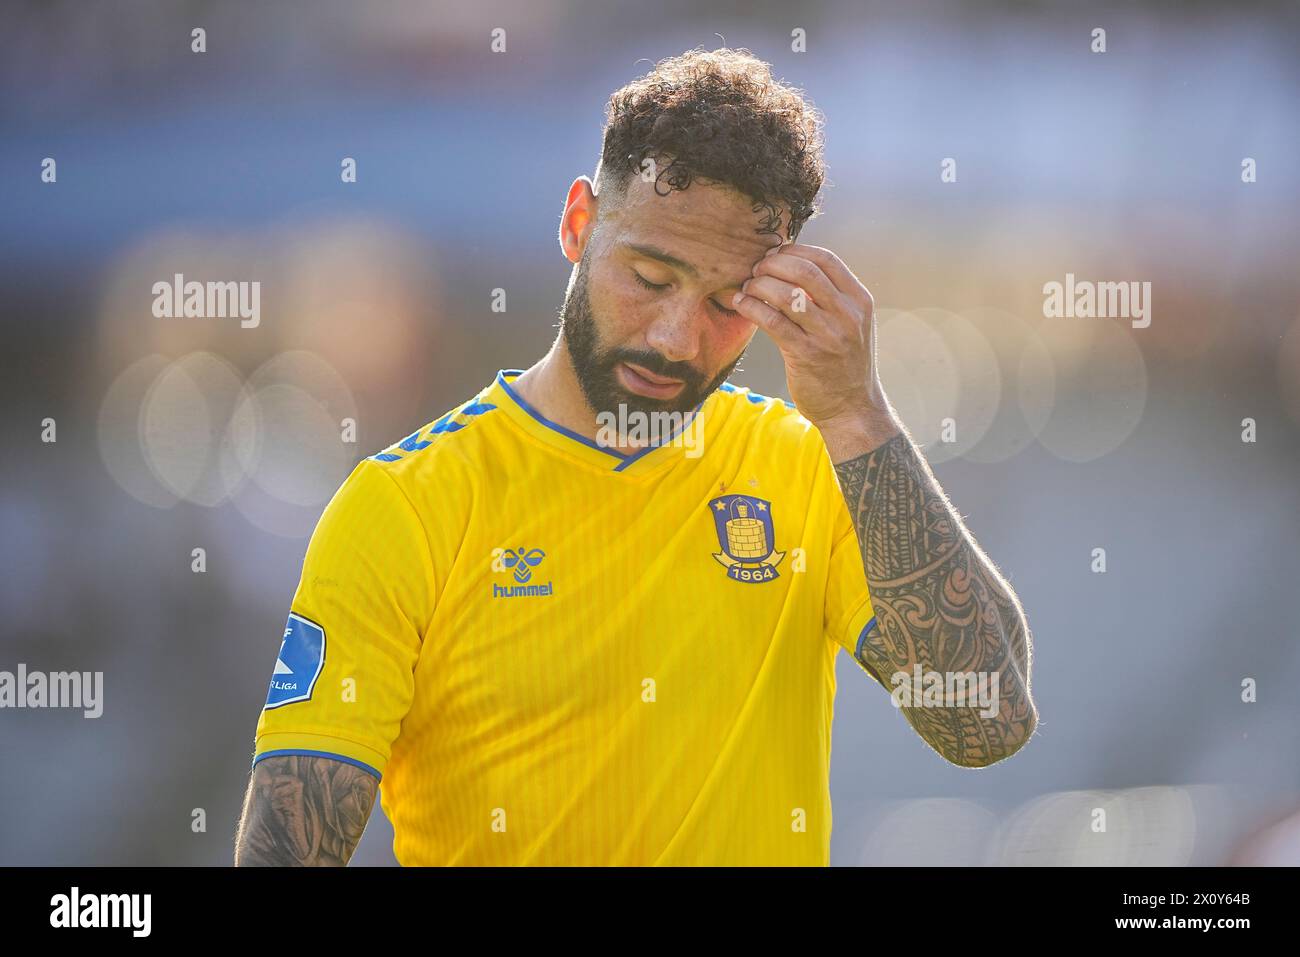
column 551, row 387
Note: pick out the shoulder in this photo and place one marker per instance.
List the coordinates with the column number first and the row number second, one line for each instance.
column 430, row 475
column 778, row 440
column 772, row 421
column 415, row 494
column 442, row 448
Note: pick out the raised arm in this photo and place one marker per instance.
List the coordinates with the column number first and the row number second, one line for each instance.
column 303, row 811
column 940, row 604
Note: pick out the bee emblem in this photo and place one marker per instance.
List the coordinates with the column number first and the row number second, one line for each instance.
column 522, row 561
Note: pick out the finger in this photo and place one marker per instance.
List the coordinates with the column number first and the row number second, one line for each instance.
column 793, row 301
column 772, row 321
column 799, row 271
column 834, row 268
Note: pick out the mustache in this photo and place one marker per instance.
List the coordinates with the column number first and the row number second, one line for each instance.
column 653, row 362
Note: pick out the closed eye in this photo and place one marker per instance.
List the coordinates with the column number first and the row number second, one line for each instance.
column 647, row 283
column 657, row 286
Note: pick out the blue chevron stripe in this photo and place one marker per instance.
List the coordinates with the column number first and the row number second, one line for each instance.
column 414, row 442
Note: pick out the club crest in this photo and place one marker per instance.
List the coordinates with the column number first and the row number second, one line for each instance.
column 746, row 536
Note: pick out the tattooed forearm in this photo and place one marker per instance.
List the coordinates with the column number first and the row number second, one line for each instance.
column 939, row 604
column 303, row 811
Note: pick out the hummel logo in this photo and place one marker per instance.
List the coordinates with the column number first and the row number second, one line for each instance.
column 522, row 561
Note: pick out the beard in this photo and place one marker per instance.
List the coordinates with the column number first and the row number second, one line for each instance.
column 595, row 367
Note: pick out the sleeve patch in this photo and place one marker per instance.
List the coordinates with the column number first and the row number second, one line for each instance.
column 299, row 664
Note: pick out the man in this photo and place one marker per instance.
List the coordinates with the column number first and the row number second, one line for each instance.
column 590, row 615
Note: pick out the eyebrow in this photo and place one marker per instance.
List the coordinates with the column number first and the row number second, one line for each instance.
column 668, row 259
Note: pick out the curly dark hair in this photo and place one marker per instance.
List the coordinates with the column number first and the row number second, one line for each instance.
column 720, row 117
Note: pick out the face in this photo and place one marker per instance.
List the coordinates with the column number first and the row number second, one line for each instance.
column 647, row 319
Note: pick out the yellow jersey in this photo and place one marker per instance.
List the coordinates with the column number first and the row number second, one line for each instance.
column 554, row 653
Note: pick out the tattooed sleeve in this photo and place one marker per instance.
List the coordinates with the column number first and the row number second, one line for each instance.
column 303, row 811
column 939, row 604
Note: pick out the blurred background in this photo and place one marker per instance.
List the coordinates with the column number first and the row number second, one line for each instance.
column 1071, row 435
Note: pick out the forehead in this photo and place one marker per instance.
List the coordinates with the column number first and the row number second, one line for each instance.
column 713, row 227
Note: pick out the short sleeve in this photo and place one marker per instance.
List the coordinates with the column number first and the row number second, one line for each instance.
column 344, row 677
column 848, row 600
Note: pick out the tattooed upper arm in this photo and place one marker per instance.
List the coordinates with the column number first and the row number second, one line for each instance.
column 303, row 811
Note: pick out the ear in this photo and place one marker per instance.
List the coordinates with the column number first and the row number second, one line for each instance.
column 578, row 219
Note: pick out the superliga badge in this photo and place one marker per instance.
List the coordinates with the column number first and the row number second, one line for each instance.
column 744, row 525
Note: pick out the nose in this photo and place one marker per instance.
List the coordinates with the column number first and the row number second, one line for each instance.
column 675, row 335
